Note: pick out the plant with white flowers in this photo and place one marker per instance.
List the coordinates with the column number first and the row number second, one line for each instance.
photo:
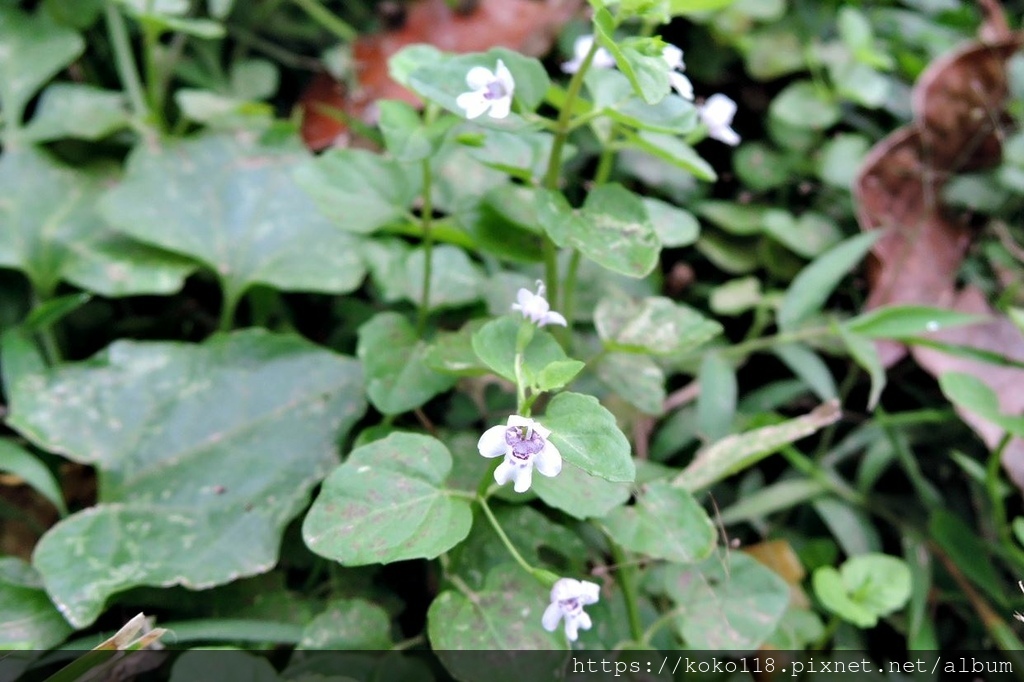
column 534, row 369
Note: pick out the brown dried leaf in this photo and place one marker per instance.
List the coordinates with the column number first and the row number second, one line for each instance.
column 999, row 336
column 917, row 259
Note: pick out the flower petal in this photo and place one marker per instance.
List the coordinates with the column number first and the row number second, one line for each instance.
column 589, row 592
column 504, row 473
column 523, row 477
column 501, row 107
column 552, row 614
column 548, row 461
column 673, row 56
column 725, row 134
column 681, row 84
column 492, row 443
column 565, row 588
column 474, row 103
column 551, row 317
column 504, row 76
column 583, row 620
column 718, row 110
column 479, row 78
column 572, row 628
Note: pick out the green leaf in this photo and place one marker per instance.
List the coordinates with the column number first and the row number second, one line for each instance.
column 674, row 151
column 232, row 204
column 652, row 325
column 72, row 110
column 32, row 50
column 51, row 312
column 864, row 588
column 737, row 452
column 443, row 80
column 612, row 228
column 683, row 7
column 760, row 167
column 452, row 352
column 226, row 666
column 586, row 435
column 25, row 465
column 397, row 377
column 495, row 345
column 716, row 404
column 173, row 508
column 348, row 624
column 971, row 393
column 406, row 137
column 804, row 104
column 736, row 296
column 807, row 365
column 815, row 283
column 28, row 619
column 648, row 73
column 454, row 279
column 902, row 321
column 636, row 378
column 579, row 494
column 558, row 374
column 361, row 191
column 725, row 603
column 807, row 236
column 674, row 226
column 387, row 503
column 492, row 624
column 865, row 353
column 840, row 158
column 665, row 523
column 52, row 232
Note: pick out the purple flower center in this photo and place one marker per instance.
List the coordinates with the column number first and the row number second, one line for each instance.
column 523, row 448
column 494, row 90
column 570, row 606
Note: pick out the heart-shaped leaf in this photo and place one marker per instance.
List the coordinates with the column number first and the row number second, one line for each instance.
column 172, row 428
column 32, row 49
column 665, row 523
column 397, row 376
column 387, row 503
column 28, row 619
column 652, row 325
column 233, row 205
column 53, row 233
column 586, row 435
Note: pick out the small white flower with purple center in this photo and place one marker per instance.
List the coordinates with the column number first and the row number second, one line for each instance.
column 568, row 597
column 717, row 114
column 536, row 308
column 525, row 445
column 673, row 56
column 602, row 58
column 490, row 92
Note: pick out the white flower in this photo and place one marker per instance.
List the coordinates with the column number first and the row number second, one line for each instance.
column 536, row 308
column 673, row 56
column 717, row 115
column 488, row 91
column 568, row 597
column 602, row 58
column 525, row 445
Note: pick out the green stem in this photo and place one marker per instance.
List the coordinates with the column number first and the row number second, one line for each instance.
column 328, row 20
column 426, row 221
column 150, row 45
column 504, row 538
column 48, row 338
column 124, row 61
column 227, row 312
column 554, row 167
column 627, row 578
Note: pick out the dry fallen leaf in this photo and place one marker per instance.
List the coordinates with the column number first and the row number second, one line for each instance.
column 528, row 26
